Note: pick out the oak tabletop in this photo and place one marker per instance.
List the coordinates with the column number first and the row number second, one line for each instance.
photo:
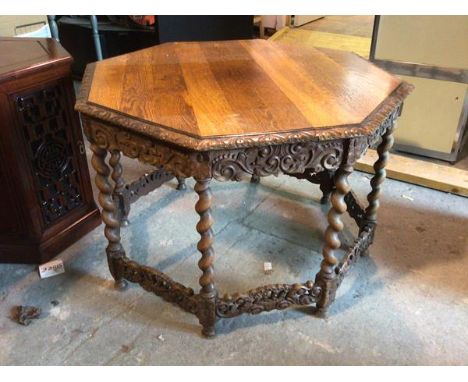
column 193, row 92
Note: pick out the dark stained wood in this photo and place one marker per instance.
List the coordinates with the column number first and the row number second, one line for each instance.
column 237, row 88
column 316, row 161
column 25, row 56
column 44, row 207
column 229, row 110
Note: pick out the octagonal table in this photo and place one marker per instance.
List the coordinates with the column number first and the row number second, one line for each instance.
column 225, row 109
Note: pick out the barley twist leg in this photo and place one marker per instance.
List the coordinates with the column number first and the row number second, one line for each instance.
column 114, row 249
column 206, row 312
column 326, row 278
column 378, row 178
column 119, row 188
column 380, row 174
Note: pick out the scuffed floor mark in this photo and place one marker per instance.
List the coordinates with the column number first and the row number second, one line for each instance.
column 166, row 242
column 101, row 323
column 323, row 345
column 328, row 348
column 61, row 314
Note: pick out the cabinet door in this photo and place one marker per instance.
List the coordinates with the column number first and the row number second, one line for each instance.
column 45, row 124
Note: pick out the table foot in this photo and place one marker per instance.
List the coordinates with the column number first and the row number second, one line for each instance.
column 120, row 285
column 321, row 312
column 255, row 179
column 209, row 331
column 181, row 184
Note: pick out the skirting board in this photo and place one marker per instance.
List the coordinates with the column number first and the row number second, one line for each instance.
column 422, row 173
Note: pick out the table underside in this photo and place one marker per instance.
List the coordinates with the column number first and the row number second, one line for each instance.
column 257, row 300
column 327, row 163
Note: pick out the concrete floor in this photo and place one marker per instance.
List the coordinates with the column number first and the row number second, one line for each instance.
column 406, row 304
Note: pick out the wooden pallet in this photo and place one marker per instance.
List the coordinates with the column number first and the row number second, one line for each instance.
column 420, row 172
column 356, row 44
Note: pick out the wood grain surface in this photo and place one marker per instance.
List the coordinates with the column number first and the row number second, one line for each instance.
column 24, row 56
column 420, row 172
column 238, row 88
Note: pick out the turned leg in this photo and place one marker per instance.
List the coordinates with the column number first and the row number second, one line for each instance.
column 181, row 183
column 326, row 278
column 206, row 312
column 378, row 179
column 109, row 213
column 121, row 201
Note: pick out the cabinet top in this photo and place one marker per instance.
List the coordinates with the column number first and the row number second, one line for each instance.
column 23, row 55
column 235, row 93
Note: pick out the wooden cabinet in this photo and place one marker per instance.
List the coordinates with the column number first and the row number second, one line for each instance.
column 46, row 200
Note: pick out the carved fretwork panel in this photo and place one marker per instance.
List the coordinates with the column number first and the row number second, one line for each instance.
column 47, row 130
column 146, row 183
column 270, row 297
column 374, row 139
column 311, row 157
column 355, row 210
column 179, row 162
column 359, row 247
column 293, row 158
